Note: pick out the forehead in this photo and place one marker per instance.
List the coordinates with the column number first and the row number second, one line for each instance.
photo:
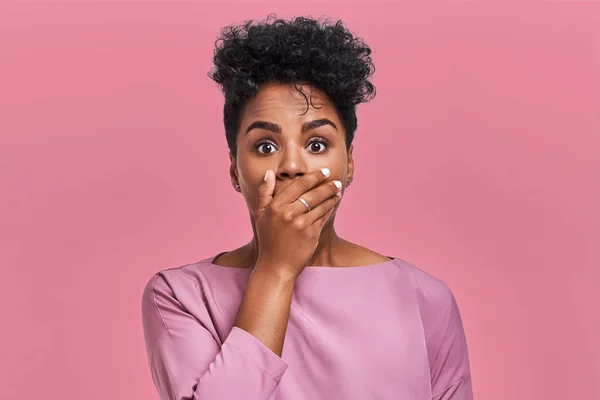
column 275, row 98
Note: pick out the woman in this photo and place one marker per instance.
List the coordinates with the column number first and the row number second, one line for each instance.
column 298, row 312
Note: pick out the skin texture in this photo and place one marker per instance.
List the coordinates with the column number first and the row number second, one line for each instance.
column 264, row 310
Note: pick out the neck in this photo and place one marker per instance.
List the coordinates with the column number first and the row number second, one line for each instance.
column 327, row 249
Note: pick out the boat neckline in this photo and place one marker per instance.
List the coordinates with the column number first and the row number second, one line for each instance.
column 393, row 260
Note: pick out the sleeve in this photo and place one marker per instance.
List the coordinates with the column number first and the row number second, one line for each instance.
column 186, row 360
column 451, row 375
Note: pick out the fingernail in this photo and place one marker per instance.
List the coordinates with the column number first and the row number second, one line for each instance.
column 266, row 175
column 337, row 184
column 325, row 171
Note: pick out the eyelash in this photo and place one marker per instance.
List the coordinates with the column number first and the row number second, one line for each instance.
column 318, row 140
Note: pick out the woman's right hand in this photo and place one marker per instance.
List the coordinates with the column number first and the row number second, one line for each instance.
column 288, row 234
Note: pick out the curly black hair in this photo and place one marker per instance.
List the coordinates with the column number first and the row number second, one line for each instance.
column 299, row 51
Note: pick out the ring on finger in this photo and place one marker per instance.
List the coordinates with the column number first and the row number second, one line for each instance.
column 304, row 202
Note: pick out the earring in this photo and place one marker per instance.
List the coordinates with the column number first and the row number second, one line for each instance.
column 237, row 186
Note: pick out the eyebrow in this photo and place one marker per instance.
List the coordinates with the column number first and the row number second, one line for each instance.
column 273, row 127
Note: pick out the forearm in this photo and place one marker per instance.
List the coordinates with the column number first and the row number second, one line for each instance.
column 265, row 307
column 187, row 360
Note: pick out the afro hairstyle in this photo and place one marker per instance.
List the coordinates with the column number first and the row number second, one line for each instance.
column 299, row 51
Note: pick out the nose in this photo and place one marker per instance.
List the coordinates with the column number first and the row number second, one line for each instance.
column 292, row 164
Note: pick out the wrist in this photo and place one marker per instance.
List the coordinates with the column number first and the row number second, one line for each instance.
column 280, row 274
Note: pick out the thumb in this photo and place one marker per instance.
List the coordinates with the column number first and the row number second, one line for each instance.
column 265, row 190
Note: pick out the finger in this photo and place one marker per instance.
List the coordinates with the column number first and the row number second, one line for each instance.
column 320, row 210
column 302, row 185
column 265, row 191
column 316, row 196
column 320, row 222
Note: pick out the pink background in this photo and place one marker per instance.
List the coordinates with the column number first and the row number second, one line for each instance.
column 478, row 161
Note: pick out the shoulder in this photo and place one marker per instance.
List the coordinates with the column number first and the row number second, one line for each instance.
column 174, row 297
column 438, row 308
column 174, row 274
column 172, row 288
column 187, row 285
column 434, row 297
column 169, row 281
column 433, row 294
column 445, row 337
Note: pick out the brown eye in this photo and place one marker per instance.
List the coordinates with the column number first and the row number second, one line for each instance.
column 317, row 144
column 269, row 146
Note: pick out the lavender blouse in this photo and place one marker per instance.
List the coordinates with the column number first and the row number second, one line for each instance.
column 387, row 331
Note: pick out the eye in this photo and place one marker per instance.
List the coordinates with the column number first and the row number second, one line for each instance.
column 317, row 145
column 265, row 144
column 321, row 142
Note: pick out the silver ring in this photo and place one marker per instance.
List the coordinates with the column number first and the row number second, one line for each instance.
column 304, row 202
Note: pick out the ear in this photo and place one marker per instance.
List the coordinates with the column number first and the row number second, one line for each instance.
column 350, row 174
column 233, row 170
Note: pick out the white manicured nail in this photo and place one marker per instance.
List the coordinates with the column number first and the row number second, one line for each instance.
column 266, row 175
column 325, row 171
column 338, row 184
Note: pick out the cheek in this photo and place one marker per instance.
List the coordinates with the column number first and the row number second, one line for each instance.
column 251, row 170
column 250, row 199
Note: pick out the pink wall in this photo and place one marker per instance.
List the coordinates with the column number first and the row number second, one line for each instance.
column 478, row 161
